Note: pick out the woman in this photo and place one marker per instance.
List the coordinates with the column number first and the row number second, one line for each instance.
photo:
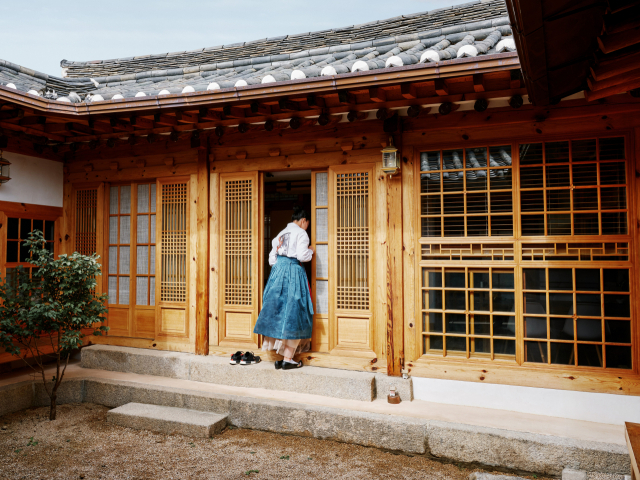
column 286, row 318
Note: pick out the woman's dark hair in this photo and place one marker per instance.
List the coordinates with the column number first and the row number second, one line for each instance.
column 298, row 214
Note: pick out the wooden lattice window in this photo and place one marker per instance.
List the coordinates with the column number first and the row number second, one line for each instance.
column 86, row 225
column 173, row 283
column 574, row 188
column 466, row 192
column 238, row 242
column 577, row 316
column 352, row 240
column 18, row 230
column 119, row 244
column 146, row 245
column 469, row 312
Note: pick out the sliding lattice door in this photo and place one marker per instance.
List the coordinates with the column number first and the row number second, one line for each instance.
column 350, row 239
column 240, row 233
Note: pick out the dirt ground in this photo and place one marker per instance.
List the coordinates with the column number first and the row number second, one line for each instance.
column 80, row 444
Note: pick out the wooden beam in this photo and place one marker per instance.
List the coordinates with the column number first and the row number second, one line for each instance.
column 395, row 315
column 613, row 90
column 289, row 105
column 613, row 81
column 209, row 114
column 37, row 120
column 478, row 83
column 142, row 123
column 617, row 41
column 617, row 64
column 118, row 124
column 79, row 129
column 166, row 120
column 102, row 127
column 625, row 20
column 441, row 87
column 409, row 91
column 186, row 117
column 202, row 254
column 32, row 131
column 377, row 95
column 235, row 112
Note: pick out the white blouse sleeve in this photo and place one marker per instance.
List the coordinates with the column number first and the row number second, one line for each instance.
column 303, row 253
column 273, row 255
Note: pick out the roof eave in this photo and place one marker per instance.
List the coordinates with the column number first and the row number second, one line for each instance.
column 387, row 76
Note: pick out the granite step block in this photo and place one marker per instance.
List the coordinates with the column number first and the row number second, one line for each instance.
column 168, row 420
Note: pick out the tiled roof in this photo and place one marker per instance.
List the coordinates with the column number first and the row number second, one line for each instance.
column 472, row 29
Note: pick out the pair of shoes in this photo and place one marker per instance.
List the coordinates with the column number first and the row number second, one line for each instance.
column 291, row 366
column 278, row 364
column 235, row 358
column 249, row 359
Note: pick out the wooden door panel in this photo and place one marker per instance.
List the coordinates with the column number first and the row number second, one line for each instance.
column 350, row 210
column 239, row 274
column 320, row 263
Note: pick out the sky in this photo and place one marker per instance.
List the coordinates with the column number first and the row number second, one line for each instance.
column 38, row 34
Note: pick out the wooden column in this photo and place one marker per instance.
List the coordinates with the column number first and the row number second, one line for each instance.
column 202, row 253
column 66, row 233
column 395, row 317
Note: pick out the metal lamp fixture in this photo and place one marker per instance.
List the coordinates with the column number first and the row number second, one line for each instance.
column 4, row 169
column 390, row 161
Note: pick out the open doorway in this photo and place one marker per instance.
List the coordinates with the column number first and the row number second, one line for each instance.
column 283, row 190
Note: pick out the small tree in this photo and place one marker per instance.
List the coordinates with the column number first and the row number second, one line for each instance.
column 48, row 310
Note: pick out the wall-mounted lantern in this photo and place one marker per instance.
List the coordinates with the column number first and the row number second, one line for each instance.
column 390, row 162
column 4, row 169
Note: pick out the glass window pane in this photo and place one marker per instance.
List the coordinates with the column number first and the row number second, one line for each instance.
column 123, row 290
column 124, row 260
column 143, row 198
column 322, row 261
column 152, row 291
column 613, row 173
column 455, row 323
column 479, row 301
column 480, row 345
column 617, row 331
column 530, row 153
column 532, row 200
column 113, row 290
column 153, row 198
column 432, row 322
column 561, row 303
column 588, row 279
column 143, row 229
column 559, row 200
column 25, row 256
column 585, row 223
column 561, row 328
column 479, row 279
column 613, row 198
column 560, row 279
column 535, row 327
column 25, row 228
column 618, row 356
column 504, row 347
column 38, row 225
column 477, row 226
column 589, row 355
column 504, row 302
column 556, row 152
column 152, row 260
column 113, row 200
column 142, row 287
column 535, row 303
column 585, row 199
column 588, row 305
column 480, row 324
column 454, row 300
column 558, row 176
column 504, row 326
column 614, row 223
column 153, row 229
column 536, row 352
column 433, row 342
column 49, row 232
column 432, row 299
column 589, row 330
column 322, row 189
column 585, row 174
column 502, row 280
column 583, row 150
column 616, row 305
column 559, row 224
column 454, row 279
column 12, row 251
column 531, row 177
column 322, row 225
column 431, row 277
column 142, row 260
column 456, row 344
column 534, row 279
column 562, row 353
column 453, row 226
column 125, row 199
column 532, row 225
column 616, row 280
column 125, row 229
column 113, row 230
column 12, row 228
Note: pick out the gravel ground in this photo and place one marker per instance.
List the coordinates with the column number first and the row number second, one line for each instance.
column 80, row 444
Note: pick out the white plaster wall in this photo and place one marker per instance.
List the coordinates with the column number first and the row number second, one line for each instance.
column 33, row 180
column 592, row 407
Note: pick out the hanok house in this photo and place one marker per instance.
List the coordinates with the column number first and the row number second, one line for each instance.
column 497, row 246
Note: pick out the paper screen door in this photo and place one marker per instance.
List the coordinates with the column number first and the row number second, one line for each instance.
column 239, row 275
column 342, row 211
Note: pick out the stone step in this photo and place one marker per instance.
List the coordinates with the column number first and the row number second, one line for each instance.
column 169, row 420
column 328, row 382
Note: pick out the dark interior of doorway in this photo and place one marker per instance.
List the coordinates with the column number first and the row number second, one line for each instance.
column 283, row 190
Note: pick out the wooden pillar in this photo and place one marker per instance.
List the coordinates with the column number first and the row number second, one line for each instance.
column 66, row 233
column 202, row 253
column 395, row 317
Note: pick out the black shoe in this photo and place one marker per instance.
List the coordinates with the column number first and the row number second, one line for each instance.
column 291, row 366
column 278, row 364
column 235, row 358
column 249, row 359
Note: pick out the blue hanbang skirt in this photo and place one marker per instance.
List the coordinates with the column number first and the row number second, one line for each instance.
column 287, row 311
